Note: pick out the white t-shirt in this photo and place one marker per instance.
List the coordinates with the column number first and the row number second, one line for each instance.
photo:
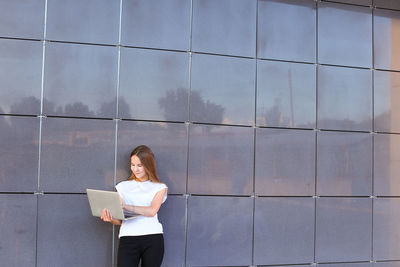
column 140, row 194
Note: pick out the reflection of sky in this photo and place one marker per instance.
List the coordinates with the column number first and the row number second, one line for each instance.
column 344, row 93
column 20, row 71
column 153, row 23
column 383, row 39
column 224, row 27
column 293, row 38
column 80, row 73
column 344, row 35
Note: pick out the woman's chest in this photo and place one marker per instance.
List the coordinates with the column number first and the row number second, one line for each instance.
column 138, row 195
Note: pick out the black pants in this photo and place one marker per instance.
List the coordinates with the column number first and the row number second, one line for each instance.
column 148, row 248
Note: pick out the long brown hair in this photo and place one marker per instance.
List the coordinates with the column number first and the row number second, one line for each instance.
column 146, row 157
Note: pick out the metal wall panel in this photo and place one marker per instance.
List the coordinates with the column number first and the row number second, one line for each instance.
column 20, row 76
column 386, row 165
column 222, row 90
column 386, row 37
column 344, row 164
column 284, row 230
column 153, row 85
column 218, row 226
column 386, row 243
column 19, row 147
column 68, row 234
column 18, row 215
column 344, row 35
column 387, row 101
column 343, row 229
column 344, row 99
column 225, row 27
column 285, row 162
column 67, row 21
column 220, row 160
column 151, row 23
column 172, row 215
column 77, row 154
column 80, row 80
column 22, row 19
column 286, row 30
column 286, row 94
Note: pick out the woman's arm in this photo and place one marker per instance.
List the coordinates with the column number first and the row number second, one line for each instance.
column 151, row 210
column 106, row 216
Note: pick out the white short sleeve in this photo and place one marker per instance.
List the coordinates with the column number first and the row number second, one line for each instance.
column 161, row 187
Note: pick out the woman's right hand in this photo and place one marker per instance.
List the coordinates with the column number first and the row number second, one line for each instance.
column 106, row 215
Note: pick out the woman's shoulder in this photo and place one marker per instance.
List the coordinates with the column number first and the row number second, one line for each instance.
column 124, row 183
column 159, row 185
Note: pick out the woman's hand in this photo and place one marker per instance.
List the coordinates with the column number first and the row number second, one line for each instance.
column 107, row 217
column 148, row 211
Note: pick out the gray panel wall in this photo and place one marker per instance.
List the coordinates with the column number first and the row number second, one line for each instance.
column 275, row 124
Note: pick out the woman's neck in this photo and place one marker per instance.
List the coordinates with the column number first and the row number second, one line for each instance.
column 143, row 179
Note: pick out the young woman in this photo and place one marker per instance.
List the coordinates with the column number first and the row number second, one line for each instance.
column 141, row 238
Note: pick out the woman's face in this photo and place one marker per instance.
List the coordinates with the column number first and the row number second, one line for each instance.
column 137, row 168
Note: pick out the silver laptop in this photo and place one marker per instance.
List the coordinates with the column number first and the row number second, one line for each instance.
column 100, row 199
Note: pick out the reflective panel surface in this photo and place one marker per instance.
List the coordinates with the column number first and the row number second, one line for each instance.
column 22, row 19
column 66, row 223
column 285, row 162
column 387, row 264
column 344, row 98
column 224, row 27
column 80, row 80
column 77, row 154
column 287, row 30
column 344, row 165
column 286, row 94
column 344, row 35
column 219, row 226
column 284, row 230
column 20, row 76
column 387, row 101
column 352, row 264
column 386, row 165
column 159, row 24
column 387, row 39
column 168, row 141
column 19, row 154
column 68, row 21
column 353, row 2
column 220, row 160
column 172, row 215
column 386, row 229
column 154, row 85
column 343, row 231
column 18, row 230
column 392, row 4
column 223, row 90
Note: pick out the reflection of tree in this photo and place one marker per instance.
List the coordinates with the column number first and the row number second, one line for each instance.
column 108, row 108
column 274, row 115
column 174, row 104
column 30, row 105
column 78, row 109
